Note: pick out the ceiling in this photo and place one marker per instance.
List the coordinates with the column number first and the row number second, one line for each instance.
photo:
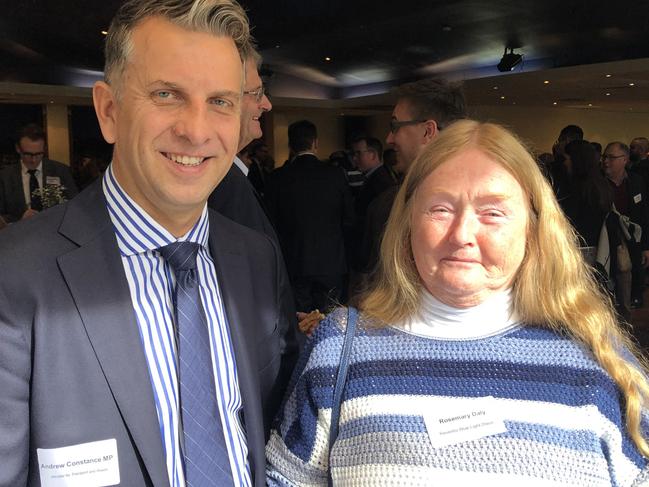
column 355, row 50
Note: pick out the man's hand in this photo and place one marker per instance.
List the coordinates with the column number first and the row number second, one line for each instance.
column 308, row 322
column 28, row 214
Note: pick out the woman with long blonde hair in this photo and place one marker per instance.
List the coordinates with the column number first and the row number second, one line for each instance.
column 485, row 350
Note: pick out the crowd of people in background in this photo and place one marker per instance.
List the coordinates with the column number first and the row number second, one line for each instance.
column 329, row 214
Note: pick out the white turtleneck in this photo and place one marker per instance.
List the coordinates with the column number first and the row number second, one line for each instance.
column 435, row 319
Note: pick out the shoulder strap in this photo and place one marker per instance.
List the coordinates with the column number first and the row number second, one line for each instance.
column 341, row 377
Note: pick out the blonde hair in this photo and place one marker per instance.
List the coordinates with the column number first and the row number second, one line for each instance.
column 219, row 17
column 570, row 302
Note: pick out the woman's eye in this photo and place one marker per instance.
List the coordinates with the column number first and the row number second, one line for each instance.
column 493, row 213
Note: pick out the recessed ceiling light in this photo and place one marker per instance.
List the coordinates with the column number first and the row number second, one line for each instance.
column 104, row 32
column 554, row 103
column 495, row 87
column 590, row 104
column 631, row 84
column 327, row 58
column 502, row 97
column 608, row 94
column 276, row 46
column 546, row 82
column 608, row 75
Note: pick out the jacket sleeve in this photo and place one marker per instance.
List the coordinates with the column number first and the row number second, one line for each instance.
column 15, row 368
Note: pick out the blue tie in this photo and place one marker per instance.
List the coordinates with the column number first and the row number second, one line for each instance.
column 206, row 456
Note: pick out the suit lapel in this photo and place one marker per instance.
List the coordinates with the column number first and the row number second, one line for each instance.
column 94, row 275
column 233, row 273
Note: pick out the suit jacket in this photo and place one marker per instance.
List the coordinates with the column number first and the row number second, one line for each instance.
column 257, row 177
column 376, row 183
column 638, row 205
column 72, row 367
column 12, row 197
column 236, row 198
column 310, row 204
column 378, row 213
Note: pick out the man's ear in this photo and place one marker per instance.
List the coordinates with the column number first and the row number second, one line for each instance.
column 104, row 99
column 431, row 130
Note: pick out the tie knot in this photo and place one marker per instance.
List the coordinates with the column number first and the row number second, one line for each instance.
column 32, row 171
column 181, row 256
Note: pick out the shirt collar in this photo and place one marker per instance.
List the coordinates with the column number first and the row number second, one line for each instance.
column 241, row 165
column 368, row 173
column 39, row 168
column 136, row 231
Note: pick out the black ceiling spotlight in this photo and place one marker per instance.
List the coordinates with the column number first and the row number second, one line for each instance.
column 509, row 60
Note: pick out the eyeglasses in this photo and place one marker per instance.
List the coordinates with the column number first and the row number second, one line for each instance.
column 609, row 156
column 258, row 93
column 32, row 155
column 395, row 125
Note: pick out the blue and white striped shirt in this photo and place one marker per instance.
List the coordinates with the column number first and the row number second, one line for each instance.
column 151, row 282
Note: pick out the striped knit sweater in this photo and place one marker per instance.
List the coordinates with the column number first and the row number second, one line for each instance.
column 561, row 413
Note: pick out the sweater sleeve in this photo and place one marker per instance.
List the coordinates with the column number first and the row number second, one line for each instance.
column 297, row 452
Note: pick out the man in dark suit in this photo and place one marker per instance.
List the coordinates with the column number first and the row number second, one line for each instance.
column 310, row 204
column 235, row 197
column 367, row 153
column 630, row 198
column 119, row 363
column 19, row 181
column 423, row 108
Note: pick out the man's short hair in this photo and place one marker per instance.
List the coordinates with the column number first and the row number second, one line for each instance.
column 372, row 144
column 570, row 133
column 32, row 131
column 620, row 145
column 301, row 135
column 251, row 52
column 434, row 99
column 643, row 142
column 223, row 18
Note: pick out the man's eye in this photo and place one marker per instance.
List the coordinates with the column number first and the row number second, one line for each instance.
column 163, row 95
column 220, row 102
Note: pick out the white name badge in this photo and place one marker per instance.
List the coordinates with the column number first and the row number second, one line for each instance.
column 453, row 421
column 53, row 180
column 637, row 198
column 85, row 465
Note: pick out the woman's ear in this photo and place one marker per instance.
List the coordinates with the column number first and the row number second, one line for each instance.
column 105, row 102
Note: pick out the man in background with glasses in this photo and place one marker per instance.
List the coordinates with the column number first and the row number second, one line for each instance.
column 19, row 181
column 630, row 198
column 423, row 108
column 235, row 196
